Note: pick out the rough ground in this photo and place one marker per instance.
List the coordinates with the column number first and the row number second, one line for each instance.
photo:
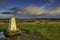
column 27, row 35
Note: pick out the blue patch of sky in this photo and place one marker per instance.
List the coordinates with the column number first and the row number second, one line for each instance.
column 23, row 3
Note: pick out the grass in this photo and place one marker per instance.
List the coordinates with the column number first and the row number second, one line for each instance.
column 48, row 31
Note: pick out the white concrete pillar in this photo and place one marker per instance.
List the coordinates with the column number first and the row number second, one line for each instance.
column 12, row 24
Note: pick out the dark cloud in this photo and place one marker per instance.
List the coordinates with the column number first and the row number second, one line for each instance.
column 2, row 2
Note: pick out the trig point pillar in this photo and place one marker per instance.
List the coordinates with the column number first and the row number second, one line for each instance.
column 12, row 24
column 12, row 29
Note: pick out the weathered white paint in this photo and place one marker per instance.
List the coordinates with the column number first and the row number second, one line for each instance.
column 12, row 24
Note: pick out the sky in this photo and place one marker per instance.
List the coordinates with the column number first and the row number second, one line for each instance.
column 31, row 6
column 49, row 4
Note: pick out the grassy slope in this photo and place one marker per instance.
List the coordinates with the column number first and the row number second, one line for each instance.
column 49, row 31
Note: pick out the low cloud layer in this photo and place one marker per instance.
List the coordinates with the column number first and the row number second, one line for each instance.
column 4, row 16
column 34, row 10
column 55, row 11
column 40, row 10
column 37, row 11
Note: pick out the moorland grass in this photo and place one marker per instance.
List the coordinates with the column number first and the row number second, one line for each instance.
column 49, row 31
